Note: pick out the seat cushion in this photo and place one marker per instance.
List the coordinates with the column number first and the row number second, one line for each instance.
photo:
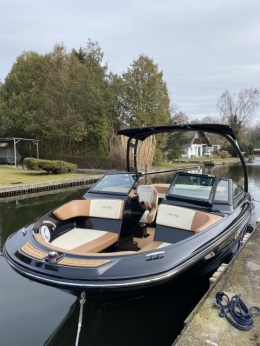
column 85, row 240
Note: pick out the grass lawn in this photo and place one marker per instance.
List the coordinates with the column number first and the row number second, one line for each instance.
column 9, row 175
column 194, row 161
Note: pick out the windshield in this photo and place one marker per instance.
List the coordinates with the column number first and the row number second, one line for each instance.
column 192, row 186
column 118, row 183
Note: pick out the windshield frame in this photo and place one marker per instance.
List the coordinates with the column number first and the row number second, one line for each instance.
column 193, row 189
column 115, row 184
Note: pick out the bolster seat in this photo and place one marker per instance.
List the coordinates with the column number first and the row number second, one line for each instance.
column 161, row 189
column 149, row 196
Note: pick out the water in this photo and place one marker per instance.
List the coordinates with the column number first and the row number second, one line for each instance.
column 32, row 314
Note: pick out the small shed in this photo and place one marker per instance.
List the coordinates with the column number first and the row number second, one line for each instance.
column 7, row 154
column 8, row 150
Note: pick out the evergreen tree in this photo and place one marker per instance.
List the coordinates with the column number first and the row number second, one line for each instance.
column 61, row 98
column 175, row 145
column 96, row 96
column 146, row 100
column 21, row 95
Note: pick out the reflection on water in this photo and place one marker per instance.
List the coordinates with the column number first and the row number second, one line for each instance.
column 33, row 314
column 29, row 311
column 153, row 320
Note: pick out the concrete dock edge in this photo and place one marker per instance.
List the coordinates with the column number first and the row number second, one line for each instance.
column 26, row 189
column 204, row 326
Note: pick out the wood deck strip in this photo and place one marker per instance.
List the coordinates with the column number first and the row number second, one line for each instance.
column 83, row 263
column 33, row 252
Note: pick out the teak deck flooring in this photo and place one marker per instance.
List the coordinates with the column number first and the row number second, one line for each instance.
column 145, row 241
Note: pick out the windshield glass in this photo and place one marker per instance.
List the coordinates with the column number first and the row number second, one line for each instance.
column 222, row 191
column 192, row 185
column 116, row 183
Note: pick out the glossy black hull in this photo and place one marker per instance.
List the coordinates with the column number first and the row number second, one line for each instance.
column 122, row 289
column 89, row 245
column 195, row 274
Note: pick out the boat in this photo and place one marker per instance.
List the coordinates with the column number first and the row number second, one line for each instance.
column 126, row 237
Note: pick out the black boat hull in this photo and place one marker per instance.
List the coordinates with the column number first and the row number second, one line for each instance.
column 122, row 289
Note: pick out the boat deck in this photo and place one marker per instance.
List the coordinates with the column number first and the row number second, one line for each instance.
column 142, row 242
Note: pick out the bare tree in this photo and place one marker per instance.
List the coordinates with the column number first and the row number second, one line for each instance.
column 178, row 116
column 237, row 109
column 210, row 119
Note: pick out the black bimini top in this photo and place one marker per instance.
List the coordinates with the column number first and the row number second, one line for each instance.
column 141, row 133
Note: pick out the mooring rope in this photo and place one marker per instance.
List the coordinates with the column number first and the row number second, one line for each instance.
column 234, row 309
column 82, row 301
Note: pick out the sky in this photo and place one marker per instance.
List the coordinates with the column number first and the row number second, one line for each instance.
column 203, row 47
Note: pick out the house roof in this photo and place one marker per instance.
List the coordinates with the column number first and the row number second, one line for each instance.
column 192, row 136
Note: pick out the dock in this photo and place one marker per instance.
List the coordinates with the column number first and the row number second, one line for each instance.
column 204, row 326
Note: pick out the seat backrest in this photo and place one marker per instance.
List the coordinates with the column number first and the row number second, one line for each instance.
column 175, row 223
column 149, row 195
column 185, row 218
column 98, row 208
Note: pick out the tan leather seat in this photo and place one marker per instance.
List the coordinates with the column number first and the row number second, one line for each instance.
column 85, row 240
column 161, row 189
column 89, row 240
column 149, row 195
column 185, row 218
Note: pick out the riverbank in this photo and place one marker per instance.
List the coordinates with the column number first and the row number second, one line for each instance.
column 89, row 179
column 24, row 189
column 92, row 175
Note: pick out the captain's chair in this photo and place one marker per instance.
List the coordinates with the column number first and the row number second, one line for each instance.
column 149, row 196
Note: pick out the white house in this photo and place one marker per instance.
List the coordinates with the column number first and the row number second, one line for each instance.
column 199, row 145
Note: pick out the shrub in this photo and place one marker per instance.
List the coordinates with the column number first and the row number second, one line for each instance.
column 223, row 154
column 31, row 163
column 49, row 166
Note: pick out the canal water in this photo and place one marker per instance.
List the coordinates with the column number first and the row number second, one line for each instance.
column 32, row 314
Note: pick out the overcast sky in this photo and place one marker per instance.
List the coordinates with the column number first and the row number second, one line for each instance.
column 203, row 47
